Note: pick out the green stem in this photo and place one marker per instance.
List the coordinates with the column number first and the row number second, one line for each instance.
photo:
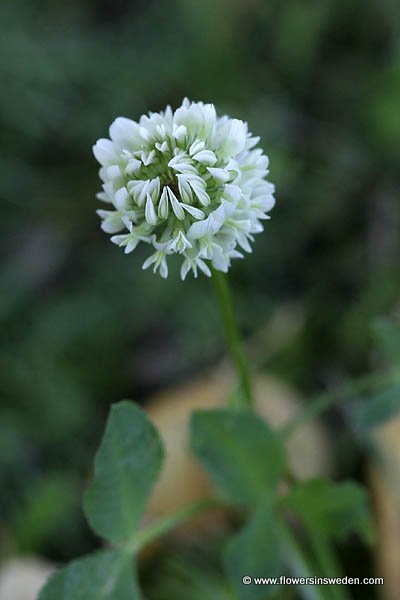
column 328, row 399
column 327, row 564
column 300, row 564
column 244, row 399
column 168, row 523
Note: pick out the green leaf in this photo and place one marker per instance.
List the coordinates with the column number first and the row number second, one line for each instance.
column 378, row 408
column 243, row 455
column 256, row 551
column 126, row 467
column 332, row 509
column 107, row 575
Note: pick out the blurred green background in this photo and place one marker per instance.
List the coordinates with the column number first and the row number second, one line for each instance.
column 81, row 325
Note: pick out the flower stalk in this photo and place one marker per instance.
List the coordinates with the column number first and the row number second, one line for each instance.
column 233, row 339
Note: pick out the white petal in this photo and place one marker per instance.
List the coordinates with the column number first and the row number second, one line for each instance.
column 184, row 188
column 123, row 132
column 195, row 212
column 133, row 166
column 144, row 133
column 182, row 164
column 208, row 226
column 256, row 227
column 109, row 190
column 112, row 223
column 148, row 157
column 219, row 259
column 252, row 141
column 179, row 132
column 262, row 163
column 161, row 131
column 149, row 261
column 162, row 147
column 264, row 203
column 143, row 191
column 154, row 189
column 121, row 199
column 176, row 207
column 197, row 146
column 228, row 207
column 198, row 117
column 164, row 268
column 103, row 214
column 198, row 230
column 119, row 240
column 210, row 118
column 206, row 157
column 179, row 244
column 150, row 213
column 185, row 268
column 191, row 117
column 233, row 169
column 103, row 197
column 135, row 188
column 244, row 243
column 113, row 172
column 163, row 206
column 203, row 267
column 104, row 152
column 131, row 245
column 232, row 137
column 126, row 219
column 220, row 175
column 232, row 193
column 200, row 193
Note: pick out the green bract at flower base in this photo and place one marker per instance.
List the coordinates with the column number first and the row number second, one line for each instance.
column 185, row 182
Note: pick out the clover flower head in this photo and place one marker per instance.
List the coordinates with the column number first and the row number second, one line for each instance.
column 184, row 182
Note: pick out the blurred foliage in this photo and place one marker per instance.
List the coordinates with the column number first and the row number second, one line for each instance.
column 189, row 571
column 82, row 325
column 332, row 510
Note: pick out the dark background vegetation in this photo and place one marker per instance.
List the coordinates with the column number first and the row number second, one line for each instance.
column 81, row 325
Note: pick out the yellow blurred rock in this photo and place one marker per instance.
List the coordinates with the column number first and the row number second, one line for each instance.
column 182, row 479
column 22, row 578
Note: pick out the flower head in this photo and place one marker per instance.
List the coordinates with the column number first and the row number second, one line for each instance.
column 184, row 182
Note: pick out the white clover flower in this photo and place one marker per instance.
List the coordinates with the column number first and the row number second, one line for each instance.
column 185, row 182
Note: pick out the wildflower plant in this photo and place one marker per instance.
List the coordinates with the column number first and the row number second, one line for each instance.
column 193, row 184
